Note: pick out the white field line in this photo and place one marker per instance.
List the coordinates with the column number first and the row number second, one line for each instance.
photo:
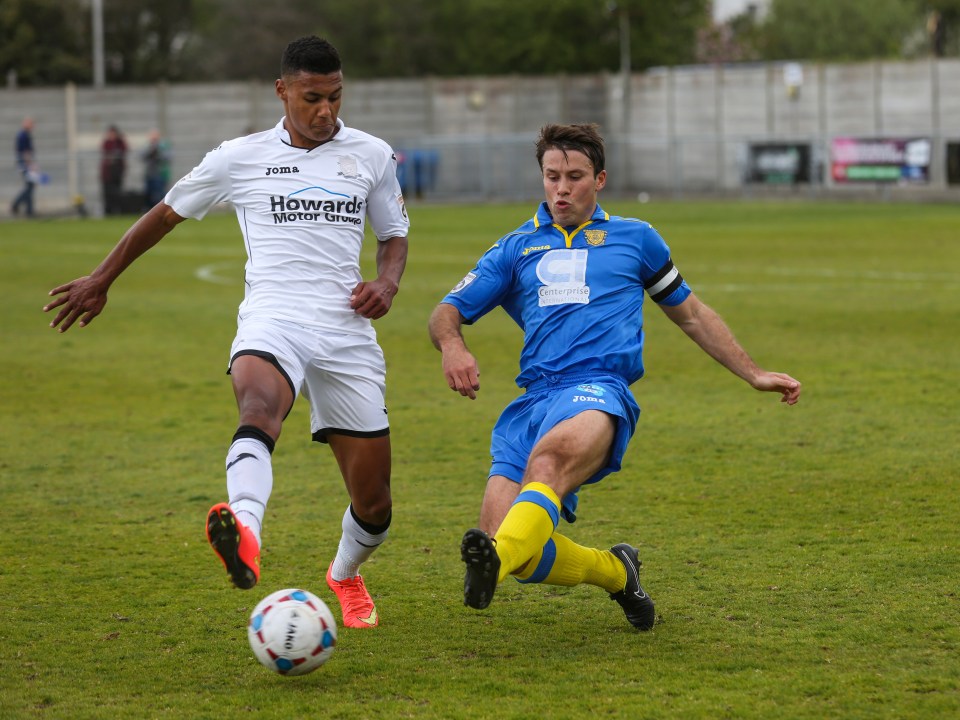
column 211, row 273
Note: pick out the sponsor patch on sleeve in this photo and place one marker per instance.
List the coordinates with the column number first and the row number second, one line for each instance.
column 467, row 279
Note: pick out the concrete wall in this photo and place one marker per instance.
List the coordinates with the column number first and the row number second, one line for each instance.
column 674, row 130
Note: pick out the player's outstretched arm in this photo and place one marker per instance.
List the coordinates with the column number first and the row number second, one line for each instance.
column 702, row 324
column 85, row 297
column 374, row 299
column 459, row 365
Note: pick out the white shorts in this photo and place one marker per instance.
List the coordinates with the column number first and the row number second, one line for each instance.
column 343, row 377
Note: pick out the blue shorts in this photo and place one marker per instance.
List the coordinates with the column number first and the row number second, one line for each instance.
column 549, row 402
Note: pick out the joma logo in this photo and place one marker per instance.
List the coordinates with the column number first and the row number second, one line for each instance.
column 282, row 170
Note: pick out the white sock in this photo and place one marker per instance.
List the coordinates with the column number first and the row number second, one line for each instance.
column 356, row 545
column 249, row 482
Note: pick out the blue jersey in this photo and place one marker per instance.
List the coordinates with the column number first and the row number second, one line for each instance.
column 23, row 148
column 576, row 293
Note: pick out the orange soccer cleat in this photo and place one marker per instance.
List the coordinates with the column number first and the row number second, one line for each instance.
column 356, row 605
column 235, row 545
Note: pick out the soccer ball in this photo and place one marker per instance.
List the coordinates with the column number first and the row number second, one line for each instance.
column 292, row 632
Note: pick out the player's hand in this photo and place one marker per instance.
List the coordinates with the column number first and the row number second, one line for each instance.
column 373, row 299
column 782, row 383
column 81, row 299
column 461, row 371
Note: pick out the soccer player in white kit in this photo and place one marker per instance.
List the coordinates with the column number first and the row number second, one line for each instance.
column 302, row 191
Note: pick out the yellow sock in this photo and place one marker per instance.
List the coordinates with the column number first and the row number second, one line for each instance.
column 528, row 525
column 562, row 562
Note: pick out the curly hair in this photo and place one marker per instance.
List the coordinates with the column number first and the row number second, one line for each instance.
column 309, row 54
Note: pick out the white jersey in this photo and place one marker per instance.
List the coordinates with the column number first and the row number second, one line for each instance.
column 302, row 215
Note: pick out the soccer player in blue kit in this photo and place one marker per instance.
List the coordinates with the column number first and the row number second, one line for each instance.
column 573, row 278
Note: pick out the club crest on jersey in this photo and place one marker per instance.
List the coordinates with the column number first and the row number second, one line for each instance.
column 595, row 237
column 348, row 166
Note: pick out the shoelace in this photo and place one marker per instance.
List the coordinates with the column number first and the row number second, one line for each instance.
column 355, row 592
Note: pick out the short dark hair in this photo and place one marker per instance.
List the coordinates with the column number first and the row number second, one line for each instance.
column 581, row 137
column 309, row 54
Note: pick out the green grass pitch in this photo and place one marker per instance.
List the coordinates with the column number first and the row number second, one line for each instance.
column 805, row 560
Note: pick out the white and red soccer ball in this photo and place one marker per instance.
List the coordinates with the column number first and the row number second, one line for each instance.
column 292, row 632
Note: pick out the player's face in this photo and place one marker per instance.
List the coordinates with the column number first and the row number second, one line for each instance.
column 570, row 186
column 311, row 103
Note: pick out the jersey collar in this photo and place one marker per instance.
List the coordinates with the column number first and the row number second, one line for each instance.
column 543, row 218
column 284, row 136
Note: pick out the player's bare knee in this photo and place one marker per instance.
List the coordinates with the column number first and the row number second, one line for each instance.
column 543, row 468
column 259, row 415
column 375, row 510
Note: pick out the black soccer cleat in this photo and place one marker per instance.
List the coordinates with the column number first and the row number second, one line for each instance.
column 477, row 550
column 636, row 604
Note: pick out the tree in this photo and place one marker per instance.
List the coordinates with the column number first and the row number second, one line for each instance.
column 736, row 40
column 244, row 39
column 48, row 41
column 146, row 41
column 496, row 37
column 42, row 42
column 837, row 30
column 942, row 26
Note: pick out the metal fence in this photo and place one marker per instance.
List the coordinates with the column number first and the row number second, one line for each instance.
column 669, row 131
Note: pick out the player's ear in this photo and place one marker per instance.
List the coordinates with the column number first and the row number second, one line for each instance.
column 601, row 180
column 281, row 89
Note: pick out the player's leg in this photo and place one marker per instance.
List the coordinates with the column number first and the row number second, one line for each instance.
column 562, row 459
column 499, row 496
column 345, row 384
column 365, row 465
column 566, row 456
column 563, row 562
column 477, row 548
column 560, row 561
column 264, row 395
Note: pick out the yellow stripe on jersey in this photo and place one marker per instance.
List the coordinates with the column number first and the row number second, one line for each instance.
column 568, row 238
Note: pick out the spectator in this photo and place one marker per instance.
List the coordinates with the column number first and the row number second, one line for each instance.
column 113, row 165
column 26, row 164
column 156, row 160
